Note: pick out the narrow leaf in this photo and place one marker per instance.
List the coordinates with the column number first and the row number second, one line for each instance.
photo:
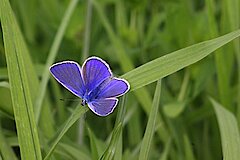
column 173, row 62
column 51, row 57
column 77, row 113
column 109, row 153
column 19, row 84
column 148, row 136
column 93, row 144
column 229, row 132
column 74, row 152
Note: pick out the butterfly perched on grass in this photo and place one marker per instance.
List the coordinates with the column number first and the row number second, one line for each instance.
column 93, row 83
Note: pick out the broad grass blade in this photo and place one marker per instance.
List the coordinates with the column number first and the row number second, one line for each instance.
column 229, row 132
column 149, row 132
column 173, row 62
column 19, row 84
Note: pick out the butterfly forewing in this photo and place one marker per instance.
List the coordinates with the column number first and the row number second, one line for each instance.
column 68, row 73
column 103, row 107
column 94, row 72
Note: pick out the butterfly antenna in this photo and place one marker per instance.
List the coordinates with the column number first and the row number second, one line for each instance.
column 70, row 99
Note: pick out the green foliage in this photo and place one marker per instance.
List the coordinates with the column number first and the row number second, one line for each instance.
column 179, row 45
column 229, row 132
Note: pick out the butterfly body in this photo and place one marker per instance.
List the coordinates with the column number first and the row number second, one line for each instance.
column 94, row 83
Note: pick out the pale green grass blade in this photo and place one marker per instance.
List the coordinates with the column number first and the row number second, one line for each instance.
column 19, row 84
column 5, row 149
column 87, row 35
column 93, row 141
column 110, row 151
column 233, row 15
column 229, row 132
column 223, row 70
column 174, row 109
column 188, row 148
column 51, row 57
column 74, row 152
column 77, row 113
column 119, row 119
column 166, row 150
column 149, row 132
column 170, row 63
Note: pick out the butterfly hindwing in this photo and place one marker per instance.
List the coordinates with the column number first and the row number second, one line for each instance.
column 68, row 73
column 114, row 88
column 94, row 72
column 103, row 107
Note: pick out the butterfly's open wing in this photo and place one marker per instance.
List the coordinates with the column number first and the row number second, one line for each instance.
column 103, row 107
column 114, row 88
column 95, row 71
column 68, row 73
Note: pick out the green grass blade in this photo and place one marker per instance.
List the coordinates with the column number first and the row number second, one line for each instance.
column 173, row 62
column 94, row 150
column 119, row 119
column 126, row 64
column 149, row 132
column 109, row 153
column 19, row 84
column 5, row 149
column 74, row 152
column 229, row 132
column 223, row 70
column 166, row 150
column 51, row 57
column 77, row 113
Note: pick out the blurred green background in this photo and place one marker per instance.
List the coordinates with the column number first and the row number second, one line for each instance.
column 127, row 34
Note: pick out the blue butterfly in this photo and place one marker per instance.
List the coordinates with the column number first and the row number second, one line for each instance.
column 93, row 83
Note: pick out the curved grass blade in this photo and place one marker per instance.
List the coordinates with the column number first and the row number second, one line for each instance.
column 148, row 135
column 51, row 57
column 229, row 132
column 109, row 153
column 19, row 84
column 77, row 113
column 173, row 62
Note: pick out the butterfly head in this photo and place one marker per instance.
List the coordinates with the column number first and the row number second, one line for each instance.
column 84, row 102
